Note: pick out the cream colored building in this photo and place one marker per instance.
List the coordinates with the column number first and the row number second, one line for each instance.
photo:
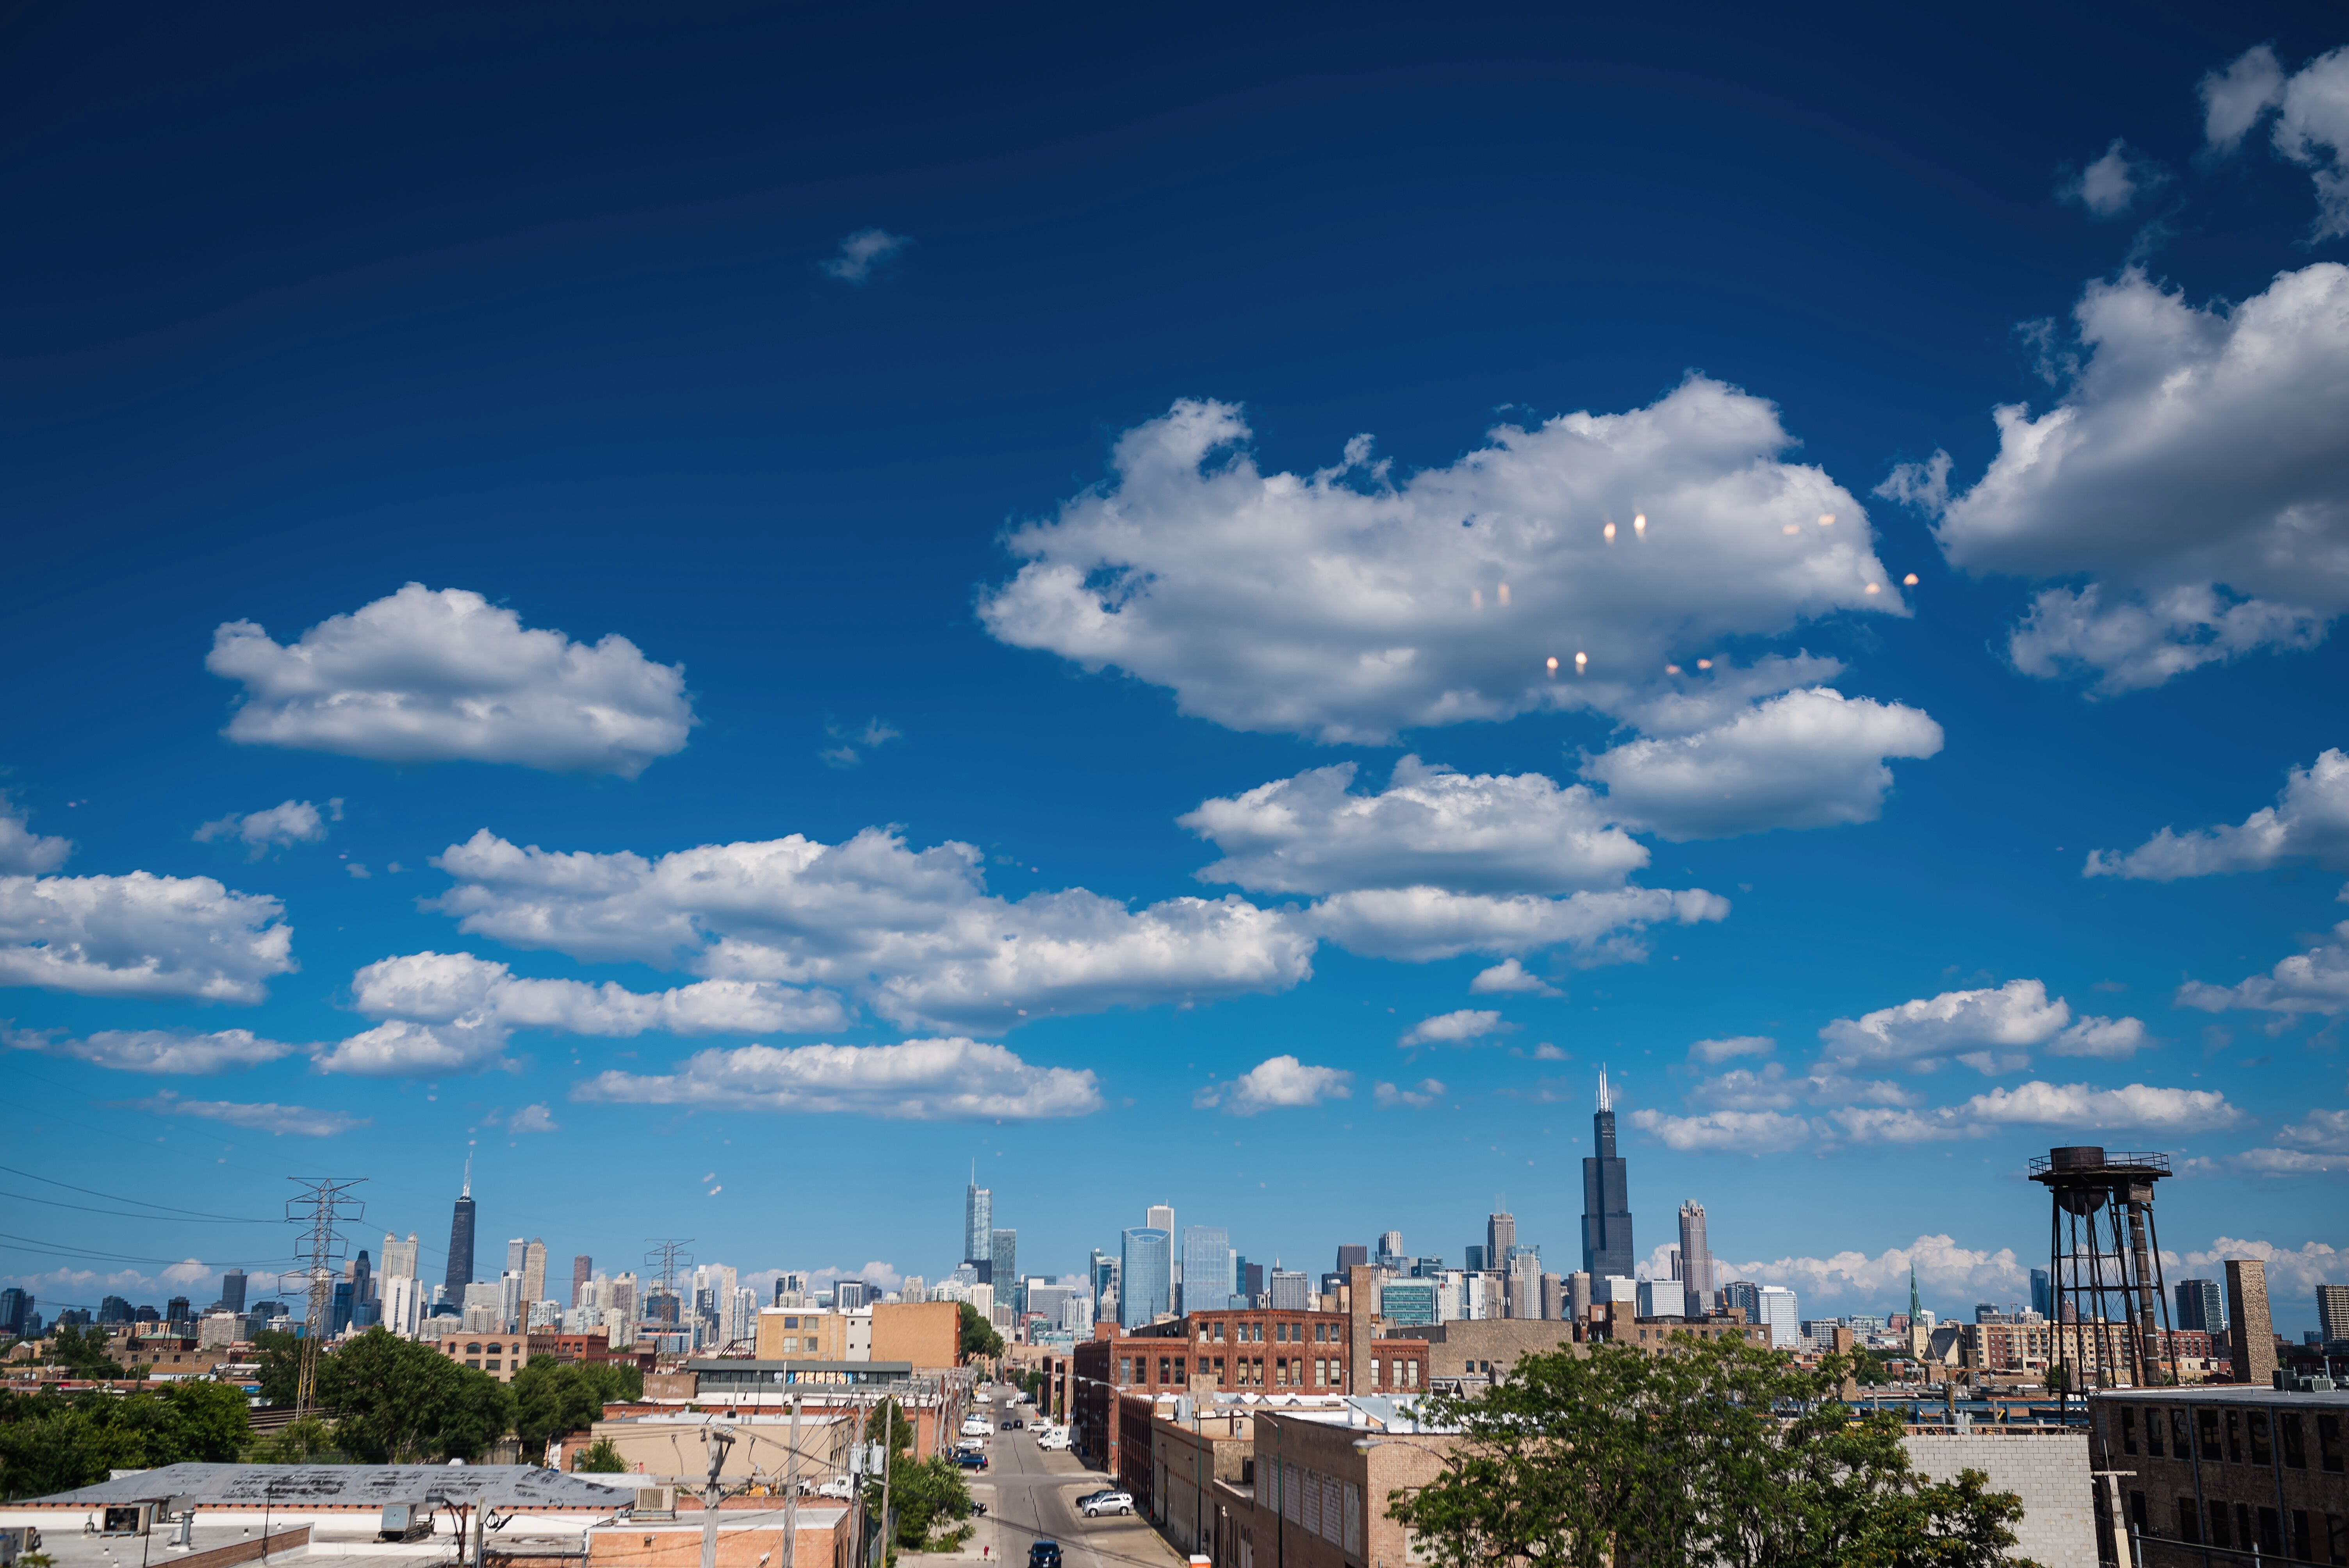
column 499, row 1355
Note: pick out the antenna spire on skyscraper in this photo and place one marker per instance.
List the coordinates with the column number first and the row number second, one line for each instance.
column 1606, row 1100
column 469, row 1175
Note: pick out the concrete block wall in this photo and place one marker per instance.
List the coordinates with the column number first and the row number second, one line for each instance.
column 2048, row 1471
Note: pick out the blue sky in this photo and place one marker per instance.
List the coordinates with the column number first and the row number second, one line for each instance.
column 734, row 615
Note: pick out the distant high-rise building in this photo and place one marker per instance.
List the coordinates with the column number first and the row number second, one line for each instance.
column 1777, row 1308
column 2042, row 1293
column 1390, row 1244
column 461, row 1240
column 1145, row 1276
column 113, row 1309
column 2332, row 1310
column 15, row 1310
column 177, row 1310
column 533, row 1271
column 1605, row 1197
column 1743, row 1294
column 339, row 1316
column 1472, row 1261
column 1351, row 1257
column 978, row 1222
column 1100, row 1272
column 1696, row 1260
column 2201, row 1305
column 1207, row 1283
column 1500, row 1239
column 1290, row 1289
column 849, row 1294
column 2250, row 1337
column 1251, row 1281
column 516, row 1251
column 362, row 1280
column 1159, row 1217
column 231, row 1294
column 398, row 1256
column 1003, row 1253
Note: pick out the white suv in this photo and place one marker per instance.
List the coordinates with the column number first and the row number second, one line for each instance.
column 1094, row 1504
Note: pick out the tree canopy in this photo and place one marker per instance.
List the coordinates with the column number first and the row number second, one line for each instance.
column 84, row 1352
column 979, row 1336
column 552, row 1397
column 53, row 1442
column 399, row 1399
column 1717, row 1451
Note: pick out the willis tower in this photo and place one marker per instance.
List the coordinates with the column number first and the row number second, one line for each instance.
column 1606, row 1200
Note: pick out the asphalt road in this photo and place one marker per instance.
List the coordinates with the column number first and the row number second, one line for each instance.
column 1034, row 1495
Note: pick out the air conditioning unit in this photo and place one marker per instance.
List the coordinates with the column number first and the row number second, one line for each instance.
column 406, row 1521
column 656, row 1502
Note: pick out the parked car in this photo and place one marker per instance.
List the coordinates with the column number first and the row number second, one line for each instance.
column 1045, row 1555
column 970, row 1458
column 1094, row 1504
column 1012, row 1425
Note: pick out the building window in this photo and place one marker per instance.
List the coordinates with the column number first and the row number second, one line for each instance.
column 2128, row 1427
column 2220, row 1535
column 1219, row 1330
column 1219, row 1368
column 472, row 1350
column 2235, row 1441
column 1178, row 1370
column 476, row 1365
column 2189, row 1523
column 2295, row 1446
column 2328, row 1442
column 2153, row 1433
column 490, row 1366
column 2206, row 1422
column 2260, row 1452
column 1164, row 1367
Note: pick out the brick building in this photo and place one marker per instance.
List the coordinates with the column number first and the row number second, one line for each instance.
column 499, row 1355
column 2237, row 1470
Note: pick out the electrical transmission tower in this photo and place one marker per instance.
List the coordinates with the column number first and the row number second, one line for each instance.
column 666, row 1259
column 323, row 1203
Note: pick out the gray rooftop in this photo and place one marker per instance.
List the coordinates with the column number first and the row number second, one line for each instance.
column 297, row 1487
column 2229, row 1394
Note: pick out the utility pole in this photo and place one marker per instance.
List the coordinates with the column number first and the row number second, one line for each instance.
column 713, row 1493
column 792, row 1487
column 323, row 1203
column 888, row 1473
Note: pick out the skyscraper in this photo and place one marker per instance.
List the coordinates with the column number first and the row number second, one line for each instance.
column 2332, row 1310
column 583, row 1269
column 2201, row 1304
column 1003, row 1253
column 534, row 1272
column 515, row 1250
column 398, row 1256
column 1143, row 1276
column 1207, row 1283
column 461, row 1239
column 2042, row 1293
column 233, row 1290
column 1696, row 1260
column 1160, row 1217
column 1606, row 1198
column 978, row 1222
column 1500, row 1239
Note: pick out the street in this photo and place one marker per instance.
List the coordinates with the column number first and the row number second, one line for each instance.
column 1030, row 1495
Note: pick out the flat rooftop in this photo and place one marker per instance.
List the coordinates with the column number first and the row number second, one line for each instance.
column 299, row 1487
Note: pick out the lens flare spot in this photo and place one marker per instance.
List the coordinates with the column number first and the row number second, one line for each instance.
column 1553, row 663
column 1909, row 581
column 1827, row 520
column 1791, row 529
column 1579, row 661
column 1704, row 664
column 1502, row 592
column 1639, row 525
column 1475, row 598
column 1671, row 669
column 1873, row 588
column 1609, row 532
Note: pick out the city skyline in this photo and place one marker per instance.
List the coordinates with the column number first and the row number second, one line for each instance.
column 1229, row 661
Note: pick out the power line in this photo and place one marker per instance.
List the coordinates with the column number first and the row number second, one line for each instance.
column 117, row 1198
column 132, row 1213
column 32, row 1245
column 324, row 1200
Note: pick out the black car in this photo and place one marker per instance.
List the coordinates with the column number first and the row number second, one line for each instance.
column 1045, row 1555
column 1012, row 1426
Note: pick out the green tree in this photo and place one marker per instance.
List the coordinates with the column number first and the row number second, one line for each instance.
column 1714, row 1451
column 84, row 1352
column 552, row 1397
column 51, row 1443
column 279, row 1356
column 979, row 1336
column 399, row 1399
column 307, row 1442
column 600, row 1458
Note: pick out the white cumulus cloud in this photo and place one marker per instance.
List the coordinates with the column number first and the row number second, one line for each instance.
column 1955, row 1275
column 1510, row 978
column 2110, row 183
column 2234, row 99
column 2292, row 1272
column 181, row 1051
column 1425, row 1094
column 949, row 1079
column 862, row 254
column 1463, row 1028
column 1722, row 1050
column 532, row 1119
column 1990, row 1029
column 1483, row 833
column 1421, row 924
column 279, row 826
column 1278, row 1083
column 402, row 1048
column 1728, row 1132
column 2313, row 131
column 1808, row 758
column 299, row 1120
column 2310, row 820
column 427, row 676
column 1347, row 605
column 2087, row 1106
column 2192, row 470
column 23, row 853
column 915, row 933
column 2316, row 981
column 141, row 935
column 441, row 987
